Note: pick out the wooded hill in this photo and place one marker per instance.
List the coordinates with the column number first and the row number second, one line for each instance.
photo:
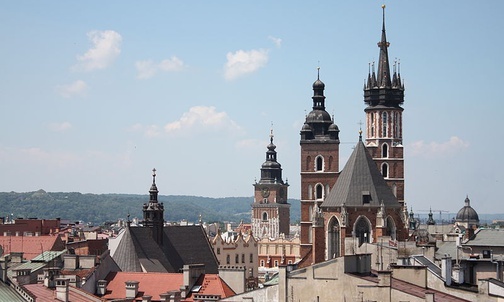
column 100, row 208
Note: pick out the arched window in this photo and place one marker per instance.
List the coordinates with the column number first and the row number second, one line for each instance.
column 362, row 230
column 391, row 228
column 228, row 259
column 396, row 125
column 319, row 191
column 265, row 216
column 319, row 163
column 394, row 189
column 384, row 151
column 310, row 192
column 384, row 124
column 237, row 258
column 372, row 125
column 384, row 170
column 243, row 258
column 333, row 239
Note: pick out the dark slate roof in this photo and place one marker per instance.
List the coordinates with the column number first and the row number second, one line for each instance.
column 360, row 176
column 181, row 245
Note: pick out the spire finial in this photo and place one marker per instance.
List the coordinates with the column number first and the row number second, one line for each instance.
column 154, row 175
column 271, row 133
column 318, row 72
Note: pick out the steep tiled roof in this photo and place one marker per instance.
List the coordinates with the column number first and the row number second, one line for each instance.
column 487, row 237
column 138, row 251
column 154, row 284
column 360, row 177
column 44, row 294
column 31, row 246
column 151, row 284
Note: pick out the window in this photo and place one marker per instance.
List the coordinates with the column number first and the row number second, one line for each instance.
column 384, row 124
column 372, row 124
column 251, row 258
column 289, row 262
column 366, row 197
column 237, row 258
column 265, row 216
column 228, row 259
column 310, row 192
column 384, row 152
column 276, row 262
column 319, row 191
column 396, row 125
column 308, row 161
column 218, row 251
column 262, row 263
column 384, row 170
column 243, row 258
column 319, row 163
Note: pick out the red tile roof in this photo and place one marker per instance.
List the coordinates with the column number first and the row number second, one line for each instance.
column 154, row 284
column 31, row 246
column 151, row 284
column 44, row 294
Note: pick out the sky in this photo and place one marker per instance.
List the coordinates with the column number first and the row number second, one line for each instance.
column 95, row 94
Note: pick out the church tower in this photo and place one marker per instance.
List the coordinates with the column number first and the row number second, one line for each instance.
column 384, row 95
column 270, row 210
column 319, row 162
column 153, row 212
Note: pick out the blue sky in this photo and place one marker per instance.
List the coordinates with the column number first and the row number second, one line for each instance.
column 95, row 94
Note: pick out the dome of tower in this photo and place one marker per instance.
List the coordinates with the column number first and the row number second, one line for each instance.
column 333, row 127
column 317, row 116
column 318, row 84
column 467, row 213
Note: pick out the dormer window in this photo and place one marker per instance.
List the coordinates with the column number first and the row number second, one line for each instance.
column 366, row 197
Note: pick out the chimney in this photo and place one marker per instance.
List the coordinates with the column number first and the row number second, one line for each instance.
column 146, row 298
column 71, row 261
column 23, row 276
column 50, row 274
column 429, row 297
column 62, row 289
column 171, row 296
column 16, row 257
column 191, row 274
column 101, row 287
column 446, row 269
column 384, row 278
column 131, row 289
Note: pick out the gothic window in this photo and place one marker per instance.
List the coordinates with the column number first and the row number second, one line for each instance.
column 394, row 189
column 237, row 258
column 333, row 238
column 265, row 216
column 276, row 263
column 251, row 258
column 384, row 170
column 372, row 125
column 243, row 258
column 319, row 164
column 385, row 151
column 391, row 228
column 319, row 191
column 362, row 230
column 218, row 251
column 228, row 259
column 384, row 124
column 396, row 125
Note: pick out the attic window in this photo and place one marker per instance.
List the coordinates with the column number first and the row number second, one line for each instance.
column 195, row 288
column 366, row 197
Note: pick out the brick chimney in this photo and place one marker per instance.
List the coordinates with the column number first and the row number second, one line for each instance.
column 131, row 289
column 62, row 289
column 101, row 287
column 146, row 298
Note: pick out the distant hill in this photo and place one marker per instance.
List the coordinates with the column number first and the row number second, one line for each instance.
column 98, row 208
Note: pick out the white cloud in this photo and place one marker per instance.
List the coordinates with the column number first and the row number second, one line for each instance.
column 202, row 118
column 436, row 149
column 60, row 127
column 105, row 49
column 147, row 69
column 276, row 41
column 77, row 88
column 243, row 62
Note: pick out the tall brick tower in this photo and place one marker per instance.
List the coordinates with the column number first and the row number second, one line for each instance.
column 319, row 162
column 270, row 210
column 384, row 95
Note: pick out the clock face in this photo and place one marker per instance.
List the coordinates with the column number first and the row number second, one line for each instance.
column 265, row 192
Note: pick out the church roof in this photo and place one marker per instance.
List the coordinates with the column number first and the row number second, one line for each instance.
column 359, row 178
column 138, row 251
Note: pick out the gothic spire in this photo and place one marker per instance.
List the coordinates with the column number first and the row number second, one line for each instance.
column 383, row 62
column 153, row 189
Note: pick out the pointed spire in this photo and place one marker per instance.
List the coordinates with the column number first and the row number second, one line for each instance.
column 153, row 189
column 383, row 63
